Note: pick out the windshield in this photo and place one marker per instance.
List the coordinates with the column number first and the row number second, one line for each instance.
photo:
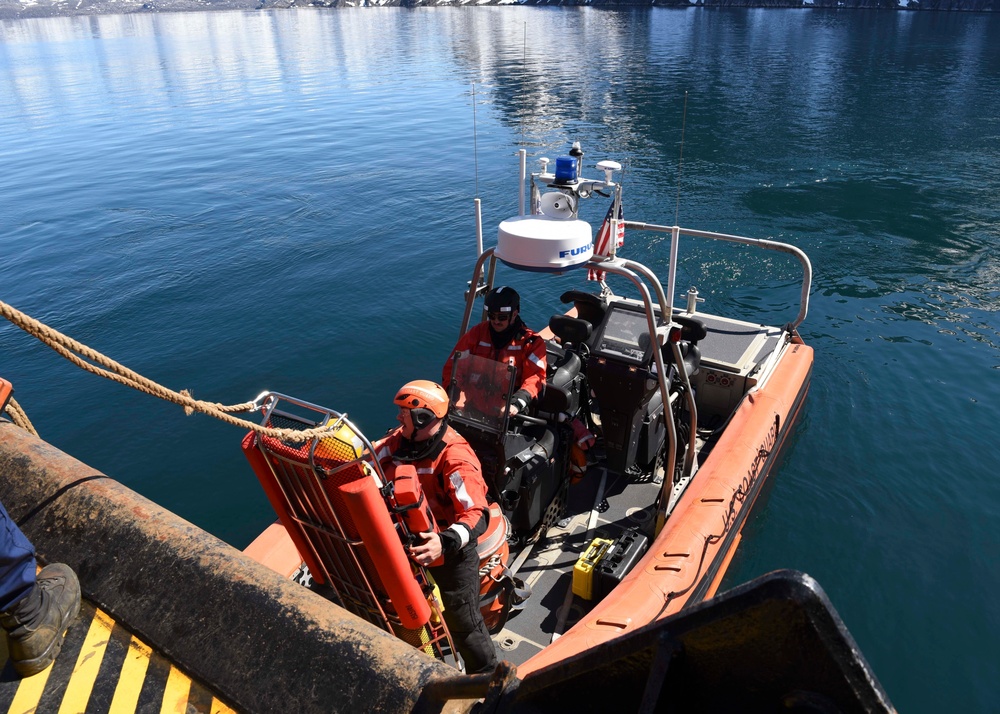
column 480, row 389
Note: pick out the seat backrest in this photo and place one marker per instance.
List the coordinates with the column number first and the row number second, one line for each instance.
column 558, row 394
column 588, row 306
column 692, row 329
column 691, row 355
column 571, row 330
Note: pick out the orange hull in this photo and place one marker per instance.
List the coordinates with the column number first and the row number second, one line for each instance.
column 275, row 549
column 686, row 561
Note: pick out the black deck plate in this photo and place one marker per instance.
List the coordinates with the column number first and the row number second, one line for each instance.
column 548, row 569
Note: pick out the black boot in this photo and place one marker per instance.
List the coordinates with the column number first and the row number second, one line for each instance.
column 37, row 624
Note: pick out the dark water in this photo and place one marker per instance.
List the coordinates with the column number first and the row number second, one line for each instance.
column 233, row 202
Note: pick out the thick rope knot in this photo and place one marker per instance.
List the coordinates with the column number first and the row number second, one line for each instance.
column 188, row 410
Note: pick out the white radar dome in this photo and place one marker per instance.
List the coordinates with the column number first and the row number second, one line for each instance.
column 544, row 244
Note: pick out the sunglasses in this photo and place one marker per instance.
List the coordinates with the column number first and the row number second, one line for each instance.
column 499, row 316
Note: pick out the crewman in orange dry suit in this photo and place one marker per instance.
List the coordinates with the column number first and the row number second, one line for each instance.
column 505, row 338
column 452, row 482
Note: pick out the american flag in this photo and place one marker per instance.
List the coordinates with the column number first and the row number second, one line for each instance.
column 602, row 246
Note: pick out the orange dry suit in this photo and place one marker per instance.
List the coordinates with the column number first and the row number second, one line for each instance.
column 452, row 482
column 450, row 477
column 525, row 351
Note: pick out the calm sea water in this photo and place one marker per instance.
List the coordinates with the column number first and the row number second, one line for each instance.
column 240, row 201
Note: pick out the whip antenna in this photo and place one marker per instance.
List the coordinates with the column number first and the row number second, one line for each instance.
column 475, row 160
column 524, row 67
column 680, row 161
column 475, row 139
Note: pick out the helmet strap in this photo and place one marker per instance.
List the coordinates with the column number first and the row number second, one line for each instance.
column 410, row 450
column 421, row 417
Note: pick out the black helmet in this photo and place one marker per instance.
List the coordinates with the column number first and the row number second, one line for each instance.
column 503, row 299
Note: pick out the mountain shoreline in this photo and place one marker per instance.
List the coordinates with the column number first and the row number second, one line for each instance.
column 19, row 10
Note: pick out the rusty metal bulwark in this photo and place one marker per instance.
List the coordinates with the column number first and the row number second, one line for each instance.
column 261, row 641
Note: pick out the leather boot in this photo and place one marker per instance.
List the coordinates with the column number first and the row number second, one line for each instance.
column 36, row 626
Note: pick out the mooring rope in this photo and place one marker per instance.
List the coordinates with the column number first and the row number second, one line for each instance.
column 96, row 363
column 18, row 417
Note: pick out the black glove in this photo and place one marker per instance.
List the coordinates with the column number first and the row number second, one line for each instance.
column 520, row 399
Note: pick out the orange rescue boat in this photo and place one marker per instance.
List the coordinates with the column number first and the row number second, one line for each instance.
column 688, row 411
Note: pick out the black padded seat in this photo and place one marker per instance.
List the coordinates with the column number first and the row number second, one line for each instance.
column 691, row 355
column 557, row 395
column 692, row 330
column 566, row 370
column 588, row 306
column 571, row 330
column 543, row 437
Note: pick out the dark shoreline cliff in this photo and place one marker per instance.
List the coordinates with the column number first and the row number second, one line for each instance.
column 18, row 9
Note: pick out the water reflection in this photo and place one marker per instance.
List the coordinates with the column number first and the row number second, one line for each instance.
column 268, row 199
column 773, row 99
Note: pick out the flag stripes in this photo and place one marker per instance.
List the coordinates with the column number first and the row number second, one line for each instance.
column 602, row 244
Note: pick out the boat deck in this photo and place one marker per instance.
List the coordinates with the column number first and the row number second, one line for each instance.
column 104, row 668
column 604, row 504
column 735, row 344
column 601, row 505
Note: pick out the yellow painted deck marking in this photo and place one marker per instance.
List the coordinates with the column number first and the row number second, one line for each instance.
column 95, row 646
column 88, row 664
column 132, row 676
column 220, row 708
column 175, row 695
column 30, row 692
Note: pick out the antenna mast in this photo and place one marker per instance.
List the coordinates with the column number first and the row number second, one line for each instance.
column 680, row 160
column 476, row 200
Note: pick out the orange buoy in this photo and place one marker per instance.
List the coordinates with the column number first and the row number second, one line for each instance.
column 371, row 517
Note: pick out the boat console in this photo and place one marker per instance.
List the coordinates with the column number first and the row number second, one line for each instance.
column 523, row 458
column 624, row 335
